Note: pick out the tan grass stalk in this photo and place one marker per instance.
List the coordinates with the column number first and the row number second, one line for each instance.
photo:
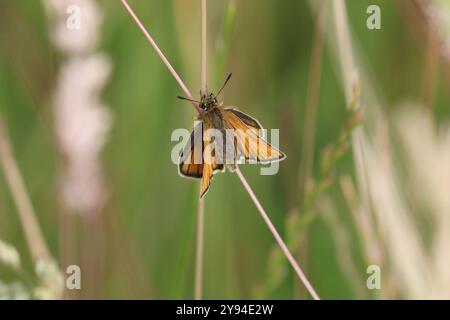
column 201, row 201
column 25, row 210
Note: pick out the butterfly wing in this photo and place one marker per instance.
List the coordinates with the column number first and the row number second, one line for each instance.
column 192, row 164
column 188, row 165
column 206, row 180
column 208, row 161
column 252, row 123
column 250, row 143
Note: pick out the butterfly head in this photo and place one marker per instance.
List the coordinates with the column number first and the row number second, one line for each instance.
column 208, row 101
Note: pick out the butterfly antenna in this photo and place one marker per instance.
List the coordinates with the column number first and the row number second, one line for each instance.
column 187, row 99
column 224, row 84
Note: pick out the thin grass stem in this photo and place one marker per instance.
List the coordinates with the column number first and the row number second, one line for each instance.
column 277, row 236
column 199, row 250
column 160, row 53
column 204, row 50
column 201, row 203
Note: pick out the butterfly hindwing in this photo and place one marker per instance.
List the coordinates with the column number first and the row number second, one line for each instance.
column 209, row 166
column 194, row 165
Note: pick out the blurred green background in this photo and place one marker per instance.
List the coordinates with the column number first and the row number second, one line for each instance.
column 143, row 242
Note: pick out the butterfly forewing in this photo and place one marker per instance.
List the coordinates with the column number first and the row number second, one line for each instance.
column 249, row 142
column 250, row 122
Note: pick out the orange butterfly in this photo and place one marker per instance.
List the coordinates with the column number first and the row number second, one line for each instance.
column 223, row 137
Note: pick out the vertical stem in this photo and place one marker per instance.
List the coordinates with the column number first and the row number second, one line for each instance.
column 431, row 69
column 204, row 58
column 312, row 102
column 277, row 236
column 307, row 153
column 345, row 47
column 201, row 204
column 348, row 67
column 27, row 215
column 223, row 41
column 199, row 250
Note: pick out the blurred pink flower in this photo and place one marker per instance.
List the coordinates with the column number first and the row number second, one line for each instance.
column 82, row 121
column 74, row 40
